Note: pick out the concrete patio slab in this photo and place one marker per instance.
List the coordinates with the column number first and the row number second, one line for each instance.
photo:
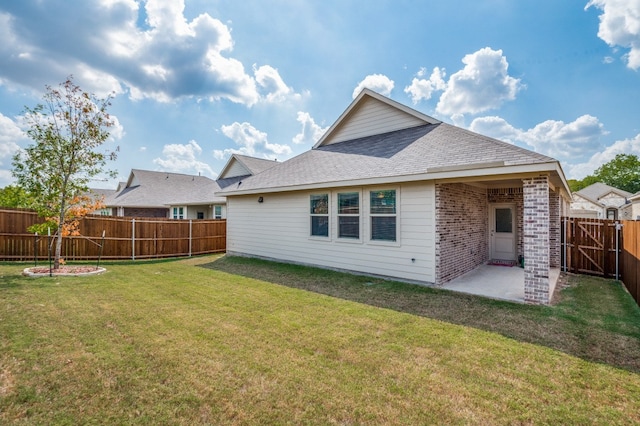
column 497, row 282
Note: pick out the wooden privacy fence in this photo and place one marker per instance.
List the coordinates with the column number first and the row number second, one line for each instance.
column 606, row 248
column 113, row 238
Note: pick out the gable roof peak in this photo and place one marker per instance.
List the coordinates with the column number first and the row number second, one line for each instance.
column 372, row 113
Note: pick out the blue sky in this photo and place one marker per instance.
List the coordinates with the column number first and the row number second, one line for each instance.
column 197, row 80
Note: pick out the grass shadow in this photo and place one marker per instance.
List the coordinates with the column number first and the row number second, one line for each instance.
column 580, row 324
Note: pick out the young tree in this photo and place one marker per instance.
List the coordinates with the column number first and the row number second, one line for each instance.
column 67, row 128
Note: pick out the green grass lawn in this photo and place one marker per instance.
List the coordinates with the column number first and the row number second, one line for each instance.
column 217, row 340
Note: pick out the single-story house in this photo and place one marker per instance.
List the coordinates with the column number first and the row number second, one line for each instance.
column 168, row 195
column 599, row 201
column 392, row 192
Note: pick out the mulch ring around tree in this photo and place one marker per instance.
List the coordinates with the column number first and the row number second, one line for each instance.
column 64, row 270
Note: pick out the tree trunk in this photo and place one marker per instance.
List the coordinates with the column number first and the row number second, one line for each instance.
column 56, row 259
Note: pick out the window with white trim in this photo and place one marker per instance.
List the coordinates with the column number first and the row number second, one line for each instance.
column 217, row 212
column 319, row 212
column 383, row 212
column 349, row 215
column 178, row 213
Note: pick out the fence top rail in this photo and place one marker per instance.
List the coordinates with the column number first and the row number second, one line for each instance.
column 149, row 219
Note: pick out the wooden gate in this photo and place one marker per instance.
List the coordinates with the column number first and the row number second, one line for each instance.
column 592, row 246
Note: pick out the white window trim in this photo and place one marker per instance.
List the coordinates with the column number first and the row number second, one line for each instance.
column 368, row 216
column 360, row 215
column 215, row 216
column 329, row 216
column 184, row 212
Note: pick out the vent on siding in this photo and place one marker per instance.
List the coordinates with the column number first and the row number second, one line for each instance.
column 504, row 191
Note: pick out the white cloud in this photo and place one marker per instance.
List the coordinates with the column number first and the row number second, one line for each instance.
column 564, row 141
column 116, row 131
column 422, row 89
column 10, row 137
column 496, row 127
column 252, row 142
column 620, row 26
column 626, row 146
column 273, row 88
column 483, row 84
column 377, row 82
column 310, row 132
column 183, row 158
column 102, row 43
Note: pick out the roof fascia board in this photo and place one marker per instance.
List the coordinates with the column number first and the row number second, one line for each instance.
column 526, row 170
column 368, row 92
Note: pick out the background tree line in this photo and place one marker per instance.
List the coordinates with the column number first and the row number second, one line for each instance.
column 623, row 172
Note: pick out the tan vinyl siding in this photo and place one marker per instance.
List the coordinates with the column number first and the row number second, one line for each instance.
column 279, row 228
column 235, row 169
column 372, row 118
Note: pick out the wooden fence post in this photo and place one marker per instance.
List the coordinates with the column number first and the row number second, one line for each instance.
column 133, row 239
column 190, row 235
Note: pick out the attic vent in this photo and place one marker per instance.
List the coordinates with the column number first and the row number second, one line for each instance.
column 505, row 191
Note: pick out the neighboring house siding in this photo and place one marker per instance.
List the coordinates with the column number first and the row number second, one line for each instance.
column 585, row 206
column 236, row 169
column 462, row 219
column 631, row 211
column 282, row 232
column 373, row 118
column 613, row 200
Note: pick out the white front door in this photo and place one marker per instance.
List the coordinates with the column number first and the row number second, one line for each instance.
column 502, row 227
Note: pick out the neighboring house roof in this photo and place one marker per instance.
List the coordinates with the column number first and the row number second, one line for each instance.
column 598, row 190
column 425, row 149
column 150, row 189
column 240, row 166
column 100, row 192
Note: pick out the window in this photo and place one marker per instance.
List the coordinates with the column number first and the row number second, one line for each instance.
column 200, row 215
column 504, row 220
column 178, row 212
column 383, row 215
column 217, row 212
column 319, row 210
column 612, row 214
column 349, row 215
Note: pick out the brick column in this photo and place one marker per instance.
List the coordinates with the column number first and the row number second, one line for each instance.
column 554, row 230
column 536, row 240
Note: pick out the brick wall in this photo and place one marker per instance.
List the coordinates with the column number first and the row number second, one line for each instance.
column 554, row 229
column 462, row 218
column 536, row 240
column 510, row 196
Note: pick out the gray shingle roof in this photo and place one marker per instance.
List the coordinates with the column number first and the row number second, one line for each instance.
column 161, row 189
column 597, row 190
column 412, row 151
column 256, row 165
column 253, row 164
